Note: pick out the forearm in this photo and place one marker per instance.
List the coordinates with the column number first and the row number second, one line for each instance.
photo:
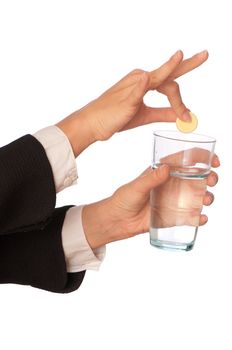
column 78, row 129
column 99, row 223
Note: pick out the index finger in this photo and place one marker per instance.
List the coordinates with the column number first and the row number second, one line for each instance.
column 159, row 75
column 189, row 64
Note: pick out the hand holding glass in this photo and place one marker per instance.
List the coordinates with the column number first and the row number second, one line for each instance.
column 176, row 205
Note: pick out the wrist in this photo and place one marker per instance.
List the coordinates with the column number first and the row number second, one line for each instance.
column 78, row 131
column 99, row 224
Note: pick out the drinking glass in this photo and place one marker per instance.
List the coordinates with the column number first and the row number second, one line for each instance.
column 176, row 204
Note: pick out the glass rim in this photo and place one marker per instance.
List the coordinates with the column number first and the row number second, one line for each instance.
column 184, row 137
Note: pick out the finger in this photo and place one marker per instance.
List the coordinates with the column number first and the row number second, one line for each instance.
column 188, row 157
column 146, row 171
column 149, row 115
column 215, row 161
column 158, row 76
column 189, row 64
column 152, row 114
column 172, row 91
column 208, row 198
column 212, row 179
column 203, row 220
column 150, row 179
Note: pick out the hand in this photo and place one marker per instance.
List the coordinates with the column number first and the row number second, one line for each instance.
column 179, row 202
column 127, row 212
column 122, row 107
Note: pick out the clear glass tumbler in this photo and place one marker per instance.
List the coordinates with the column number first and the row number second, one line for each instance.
column 176, row 205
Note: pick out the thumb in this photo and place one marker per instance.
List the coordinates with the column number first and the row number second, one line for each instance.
column 150, row 179
column 140, row 89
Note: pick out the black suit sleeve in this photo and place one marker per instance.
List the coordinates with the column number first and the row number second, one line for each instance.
column 36, row 257
column 27, row 189
column 31, row 251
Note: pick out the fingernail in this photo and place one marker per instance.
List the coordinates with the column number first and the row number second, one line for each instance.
column 215, row 179
column 203, row 53
column 210, row 198
column 186, row 117
column 217, row 159
column 177, row 55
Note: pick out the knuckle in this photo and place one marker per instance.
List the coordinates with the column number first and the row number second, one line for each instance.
column 174, row 87
column 160, row 173
column 179, row 106
column 136, row 71
column 170, row 89
column 156, row 80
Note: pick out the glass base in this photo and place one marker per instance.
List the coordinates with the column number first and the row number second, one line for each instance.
column 179, row 238
column 171, row 246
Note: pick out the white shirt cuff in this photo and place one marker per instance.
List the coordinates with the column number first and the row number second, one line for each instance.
column 60, row 156
column 78, row 254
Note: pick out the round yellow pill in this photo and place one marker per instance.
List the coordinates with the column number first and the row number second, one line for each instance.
column 187, row 126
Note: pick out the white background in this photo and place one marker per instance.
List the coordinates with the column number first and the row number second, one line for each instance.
column 55, row 56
